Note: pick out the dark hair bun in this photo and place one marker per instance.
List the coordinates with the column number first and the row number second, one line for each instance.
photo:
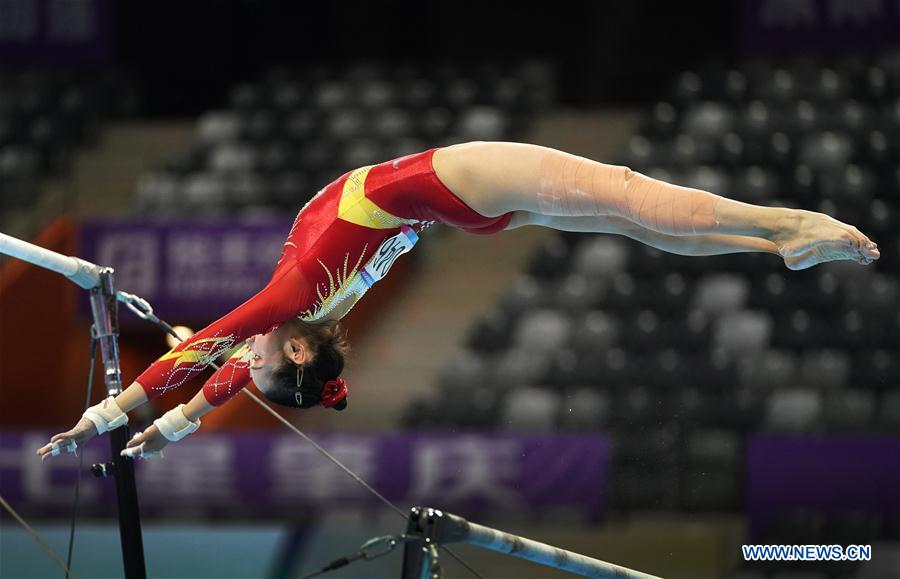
column 340, row 405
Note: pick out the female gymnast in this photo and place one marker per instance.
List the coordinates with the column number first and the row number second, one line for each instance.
column 349, row 234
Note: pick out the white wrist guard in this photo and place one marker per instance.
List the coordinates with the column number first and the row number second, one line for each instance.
column 174, row 425
column 106, row 416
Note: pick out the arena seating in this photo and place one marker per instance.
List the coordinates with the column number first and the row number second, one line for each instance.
column 682, row 358
column 44, row 117
column 281, row 139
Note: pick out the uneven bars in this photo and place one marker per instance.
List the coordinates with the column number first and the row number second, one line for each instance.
column 101, row 283
column 538, row 552
column 441, row 527
column 83, row 273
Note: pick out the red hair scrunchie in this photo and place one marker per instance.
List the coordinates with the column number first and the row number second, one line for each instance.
column 333, row 392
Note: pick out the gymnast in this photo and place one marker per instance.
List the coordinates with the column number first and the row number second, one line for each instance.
column 350, row 233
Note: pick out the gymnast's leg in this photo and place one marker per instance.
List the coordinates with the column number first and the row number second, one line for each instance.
column 693, row 245
column 498, row 177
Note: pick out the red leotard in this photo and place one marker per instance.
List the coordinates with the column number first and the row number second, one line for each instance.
column 342, row 241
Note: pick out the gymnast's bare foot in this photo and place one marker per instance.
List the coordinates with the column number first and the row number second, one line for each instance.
column 831, row 251
column 800, row 231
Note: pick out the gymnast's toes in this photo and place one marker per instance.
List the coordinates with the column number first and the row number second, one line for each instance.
column 825, row 252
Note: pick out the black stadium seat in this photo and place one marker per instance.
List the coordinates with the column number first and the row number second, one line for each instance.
column 736, row 345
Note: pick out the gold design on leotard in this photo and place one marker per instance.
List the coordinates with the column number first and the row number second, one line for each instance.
column 356, row 208
column 200, row 355
column 341, row 285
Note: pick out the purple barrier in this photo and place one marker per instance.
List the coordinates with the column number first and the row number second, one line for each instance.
column 827, row 475
column 281, row 476
column 198, row 270
column 799, row 25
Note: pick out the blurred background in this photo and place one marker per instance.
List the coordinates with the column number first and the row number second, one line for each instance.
column 648, row 409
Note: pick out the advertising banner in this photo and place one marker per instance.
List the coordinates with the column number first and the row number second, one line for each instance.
column 251, row 475
column 187, row 269
column 55, row 32
column 802, row 25
column 828, row 475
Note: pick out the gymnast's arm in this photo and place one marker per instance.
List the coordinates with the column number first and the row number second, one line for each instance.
column 151, row 441
column 225, row 382
column 694, row 245
column 282, row 298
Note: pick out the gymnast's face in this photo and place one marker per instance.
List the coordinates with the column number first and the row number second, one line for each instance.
column 271, row 350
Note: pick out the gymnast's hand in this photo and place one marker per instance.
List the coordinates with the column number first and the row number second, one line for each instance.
column 70, row 440
column 146, row 444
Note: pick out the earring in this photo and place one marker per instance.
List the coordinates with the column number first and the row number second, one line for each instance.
column 298, row 396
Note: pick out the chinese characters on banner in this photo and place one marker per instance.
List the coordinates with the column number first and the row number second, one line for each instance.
column 259, row 475
column 188, row 269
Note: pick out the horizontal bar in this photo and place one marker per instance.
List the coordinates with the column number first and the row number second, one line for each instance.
column 444, row 527
column 549, row 555
column 83, row 273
